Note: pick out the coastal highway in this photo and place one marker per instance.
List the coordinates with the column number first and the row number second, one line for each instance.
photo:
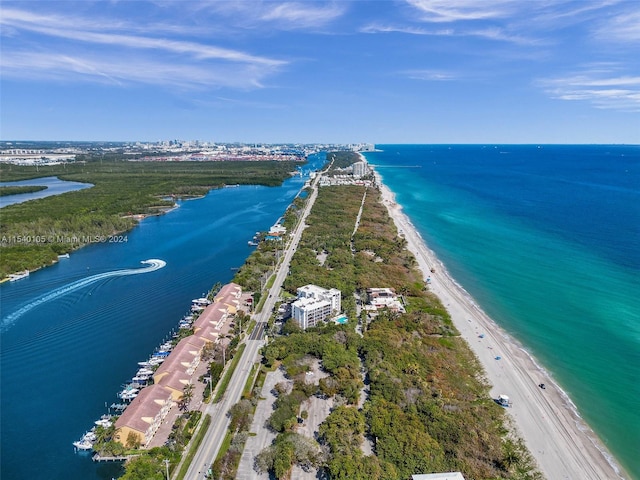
column 214, row 437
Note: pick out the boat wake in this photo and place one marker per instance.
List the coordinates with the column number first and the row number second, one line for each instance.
column 154, row 264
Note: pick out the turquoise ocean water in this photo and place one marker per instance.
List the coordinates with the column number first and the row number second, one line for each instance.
column 547, row 240
column 72, row 334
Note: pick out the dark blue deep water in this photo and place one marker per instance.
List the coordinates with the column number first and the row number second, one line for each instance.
column 71, row 335
column 547, row 240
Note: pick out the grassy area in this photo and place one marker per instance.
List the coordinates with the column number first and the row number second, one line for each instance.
column 225, row 445
column 222, row 387
column 263, row 299
column 195, row 444
column 251, row 326
column 246, row 392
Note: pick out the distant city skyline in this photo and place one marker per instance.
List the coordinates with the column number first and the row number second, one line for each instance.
column 414, row 71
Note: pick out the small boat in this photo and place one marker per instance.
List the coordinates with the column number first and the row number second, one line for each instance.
column 83, row 445
column 18, row 276
column 252, row 243
column 119, row 407
column 105, row 421
column 64, row 255
column 86, row 441
column 129, row 393
column 201, row 301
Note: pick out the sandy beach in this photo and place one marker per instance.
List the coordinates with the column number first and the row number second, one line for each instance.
column 563, row 445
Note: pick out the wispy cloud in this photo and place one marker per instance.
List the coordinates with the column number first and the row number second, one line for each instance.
column 430, row 75
column 525, row 23
column 624, row 27
column 276, row 15
column 493, row 33
column 62, row 29
column 126, row 58
column 604, row 88
column 118, row 71
column 462, row 10
column 302, row 15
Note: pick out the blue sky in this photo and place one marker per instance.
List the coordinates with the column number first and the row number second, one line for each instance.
column 414, row 71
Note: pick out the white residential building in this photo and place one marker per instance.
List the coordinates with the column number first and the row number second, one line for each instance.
column 360, row 169
column 314, row 305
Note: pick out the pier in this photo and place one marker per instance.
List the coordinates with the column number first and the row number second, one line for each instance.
column 99, row 458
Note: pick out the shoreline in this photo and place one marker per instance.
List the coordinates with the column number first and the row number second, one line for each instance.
column 563, row 445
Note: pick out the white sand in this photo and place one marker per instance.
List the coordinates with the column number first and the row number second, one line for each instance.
column 563, row 445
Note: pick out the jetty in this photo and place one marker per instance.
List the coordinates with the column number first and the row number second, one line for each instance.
column 99, row 458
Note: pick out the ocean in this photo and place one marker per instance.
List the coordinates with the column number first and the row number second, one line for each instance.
column 72, row 334
column 546, row 238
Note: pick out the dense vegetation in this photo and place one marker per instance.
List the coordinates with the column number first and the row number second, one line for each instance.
column 428, row 407
column 33, row 233
column 342, row 159
column 15, row 190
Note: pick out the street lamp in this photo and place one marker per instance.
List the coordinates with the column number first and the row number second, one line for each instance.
column 166, row 462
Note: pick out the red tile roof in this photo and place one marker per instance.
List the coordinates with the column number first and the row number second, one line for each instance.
column 144, row 408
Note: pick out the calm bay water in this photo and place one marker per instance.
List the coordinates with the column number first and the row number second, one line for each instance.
column 73, row 333
column 547, row 241
column 54, row 185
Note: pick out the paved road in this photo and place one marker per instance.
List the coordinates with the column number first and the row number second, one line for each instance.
column 212, row 440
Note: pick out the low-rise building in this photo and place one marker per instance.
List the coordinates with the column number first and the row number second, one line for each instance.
column 213, row 316
column 185, row 357
column 142, row 418
column 378, row 298
column 229, row 296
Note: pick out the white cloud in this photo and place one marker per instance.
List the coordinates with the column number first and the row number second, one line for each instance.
column 116, row 70
column 126, row 57
column 603, row 89
column 377, row 28
column 494, row 33
column 63, row 29
column 624, row 27
column 299, row 15
column 430, row 75
column 274, row 15
column 453, row 11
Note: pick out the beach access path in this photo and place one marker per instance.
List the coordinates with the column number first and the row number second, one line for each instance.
column 561, row 442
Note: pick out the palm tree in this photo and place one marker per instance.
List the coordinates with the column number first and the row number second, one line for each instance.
column 187, row 395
